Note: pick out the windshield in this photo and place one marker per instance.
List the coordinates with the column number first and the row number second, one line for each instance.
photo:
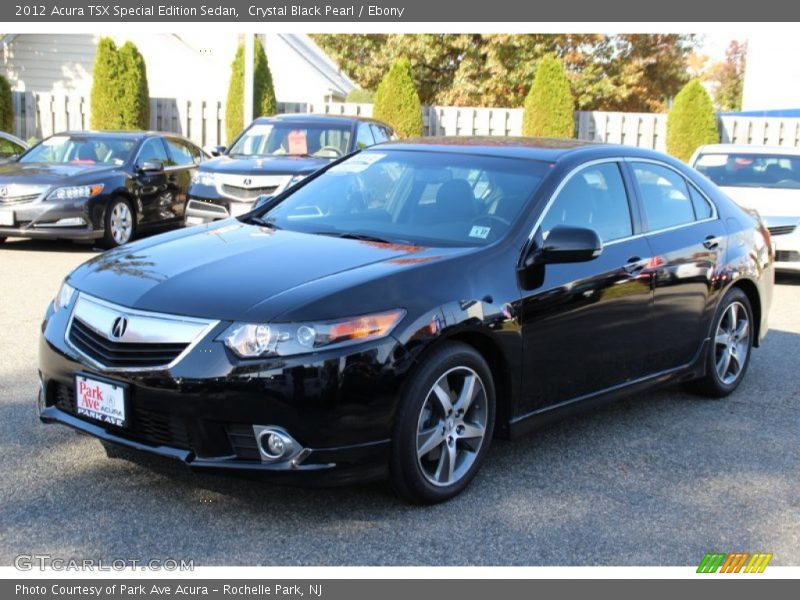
column 81, row 150
column 751, row 170
column 421, row 198
column 293, row 139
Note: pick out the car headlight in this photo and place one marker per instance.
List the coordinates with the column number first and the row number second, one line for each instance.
column 74, row 192
column 249, row 340
column 63, row 297
column 204, row 178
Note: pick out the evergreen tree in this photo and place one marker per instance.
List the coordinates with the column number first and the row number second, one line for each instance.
column 264, row 102
column 549, row 106
column 397, row 101
column 691, row 122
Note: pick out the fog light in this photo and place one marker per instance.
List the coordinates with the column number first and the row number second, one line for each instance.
column 274, row 443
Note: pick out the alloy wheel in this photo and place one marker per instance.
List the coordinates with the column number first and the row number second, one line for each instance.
column 451, row 426
column 121, row 223
column 732, row 343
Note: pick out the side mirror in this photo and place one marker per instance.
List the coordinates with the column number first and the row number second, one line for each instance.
column 566, row 244
column 216, row 150
column 261, row 201
column 151, row 166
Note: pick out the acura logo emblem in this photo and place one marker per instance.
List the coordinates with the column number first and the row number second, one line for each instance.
column 3, row 191
column 119, row 327
column 247, row 181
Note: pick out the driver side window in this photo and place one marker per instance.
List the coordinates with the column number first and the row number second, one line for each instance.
column 594, row 198
column 152, row 151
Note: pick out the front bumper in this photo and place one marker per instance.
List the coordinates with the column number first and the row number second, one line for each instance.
column 338, row 406
column 48, row 219
column 205, row 210
column 787, row 251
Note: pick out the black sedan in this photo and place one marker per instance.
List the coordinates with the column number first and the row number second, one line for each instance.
column 97, row 186
column 393, row 313
column 271, row 155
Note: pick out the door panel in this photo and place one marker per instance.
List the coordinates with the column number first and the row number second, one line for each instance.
column 152, row 187
column 586, row 326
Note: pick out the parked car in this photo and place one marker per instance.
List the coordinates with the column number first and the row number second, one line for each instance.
column 272, row 154
column 394, row 312
column 763, row 178
column 102, row 186
column 11, row 147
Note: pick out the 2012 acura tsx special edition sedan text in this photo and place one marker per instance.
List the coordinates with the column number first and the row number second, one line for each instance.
column 395, row 311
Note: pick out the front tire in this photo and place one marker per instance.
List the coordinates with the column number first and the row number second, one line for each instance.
column 731, row 345
column 119, row 223
column 444, row 425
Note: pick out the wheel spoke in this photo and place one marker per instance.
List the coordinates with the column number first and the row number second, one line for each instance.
column 735, row 365
column 743, row 330
column 722, row 338
column 429, row 439
column 447, row 462
column 733, row 317
column 468, row 393
column 443, row 396
column 724, row 363
column 471, row 431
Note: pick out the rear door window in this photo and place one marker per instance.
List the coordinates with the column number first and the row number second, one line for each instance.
column 665, row 196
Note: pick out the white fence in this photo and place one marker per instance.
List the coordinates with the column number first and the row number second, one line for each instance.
column 203, row 121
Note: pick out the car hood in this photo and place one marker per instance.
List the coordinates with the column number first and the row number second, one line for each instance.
column 287, row 165
column 770, row 203
column 232, row 270
column 47, row 174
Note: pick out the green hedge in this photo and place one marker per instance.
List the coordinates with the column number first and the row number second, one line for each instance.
column 549, row 106
column 264, row 102
column 397, row 101
column 6, row 106
column 691, row 122
column 135, row 105
column 106, row 96
column 361, row 96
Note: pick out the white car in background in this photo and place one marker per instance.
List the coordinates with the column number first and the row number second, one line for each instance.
column 764, row 178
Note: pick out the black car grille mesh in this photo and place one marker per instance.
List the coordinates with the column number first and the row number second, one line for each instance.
column 144, row 425
column 782, row 229
column 247, row 193
column 787, row 256
column 243, row 441
column 117, row 354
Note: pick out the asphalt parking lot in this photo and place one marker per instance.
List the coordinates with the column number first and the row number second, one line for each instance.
column 654, row 480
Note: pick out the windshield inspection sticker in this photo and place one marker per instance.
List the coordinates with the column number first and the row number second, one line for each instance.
column 360, row 162
column 480, row 232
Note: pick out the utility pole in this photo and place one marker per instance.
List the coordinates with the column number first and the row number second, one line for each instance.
column 249, row 54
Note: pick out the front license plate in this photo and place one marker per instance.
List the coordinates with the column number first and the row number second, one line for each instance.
column 6, row 218
column 100, row 400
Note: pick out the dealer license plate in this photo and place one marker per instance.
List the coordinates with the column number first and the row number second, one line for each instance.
column 100, row 400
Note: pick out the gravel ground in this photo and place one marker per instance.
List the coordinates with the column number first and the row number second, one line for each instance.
column 658, row 479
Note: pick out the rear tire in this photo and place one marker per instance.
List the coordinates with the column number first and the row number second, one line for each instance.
column 119, row 223
column 731, row 345
column 444, row 425
column 2, row 239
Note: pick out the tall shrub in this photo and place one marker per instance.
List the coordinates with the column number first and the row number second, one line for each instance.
column 264, row 102
column 6, row 106
column 691, row 122
column 106, row 96
column 135, row 102
column 397, row 101
column 549, row 106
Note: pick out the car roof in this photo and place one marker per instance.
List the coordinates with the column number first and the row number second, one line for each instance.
column 748, row 149
column 543, row 149
column 126, row 135
column 316, row 118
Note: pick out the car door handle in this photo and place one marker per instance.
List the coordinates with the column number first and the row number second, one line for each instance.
column 711, row 242
column 635, row 265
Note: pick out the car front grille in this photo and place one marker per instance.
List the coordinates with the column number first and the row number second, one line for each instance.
column 787, row 256
column 248, row 194
column 144, row 425
column 18, row 199
column 115, row 354
column 782, row 229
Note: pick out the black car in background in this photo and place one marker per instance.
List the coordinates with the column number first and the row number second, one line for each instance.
column 272, row 154
column 393, row 313
column 102, row 186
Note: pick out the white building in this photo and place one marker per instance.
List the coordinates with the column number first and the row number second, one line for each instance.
column 772, row 73
column 186, row 65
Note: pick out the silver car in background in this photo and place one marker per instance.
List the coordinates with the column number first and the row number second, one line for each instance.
column 764, row 178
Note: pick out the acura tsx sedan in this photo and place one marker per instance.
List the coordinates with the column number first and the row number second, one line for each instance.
column 103, row 186
column 394, row 312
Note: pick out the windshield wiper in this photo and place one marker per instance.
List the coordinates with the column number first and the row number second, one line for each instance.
column 364, row 237
column 265, row 223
